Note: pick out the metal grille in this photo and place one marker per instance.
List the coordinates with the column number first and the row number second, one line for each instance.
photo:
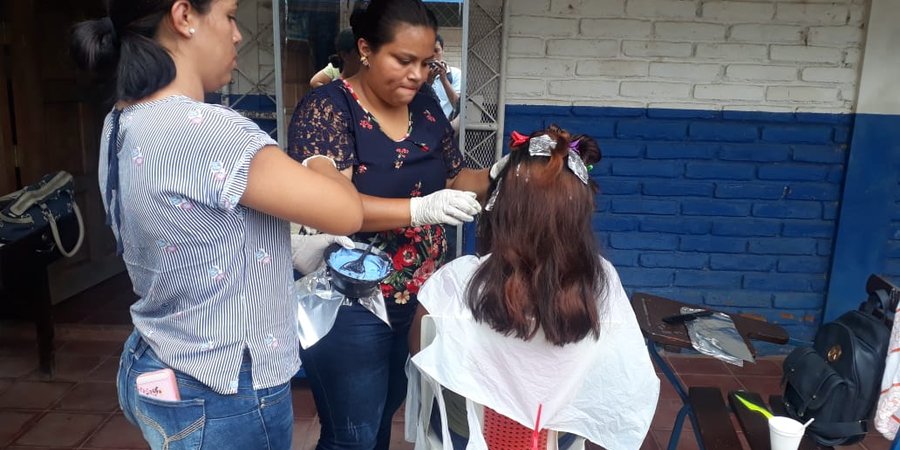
column 449, row 14
column 483, row 82
column 256, row 100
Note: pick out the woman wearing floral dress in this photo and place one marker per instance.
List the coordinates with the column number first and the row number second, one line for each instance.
column 399, row 150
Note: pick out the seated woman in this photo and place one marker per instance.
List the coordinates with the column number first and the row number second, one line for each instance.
column 539, row 329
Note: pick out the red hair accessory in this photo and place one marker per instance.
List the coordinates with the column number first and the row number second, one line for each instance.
column 518, row 139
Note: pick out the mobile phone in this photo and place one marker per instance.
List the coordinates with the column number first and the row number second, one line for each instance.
column 159, row 384
column 434, row 64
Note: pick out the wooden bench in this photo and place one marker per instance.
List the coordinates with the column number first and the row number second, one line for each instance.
column 649, row 310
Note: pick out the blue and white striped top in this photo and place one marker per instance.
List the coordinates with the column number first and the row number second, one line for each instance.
column 214, row 277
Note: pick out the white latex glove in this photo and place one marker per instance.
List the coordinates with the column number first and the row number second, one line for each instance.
column 498, row 166
column 306, row 250
column 448, row 206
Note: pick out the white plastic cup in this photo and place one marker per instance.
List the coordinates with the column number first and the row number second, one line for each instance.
column 785, row 433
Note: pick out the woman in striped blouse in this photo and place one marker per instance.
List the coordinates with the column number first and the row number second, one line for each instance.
column 199, row 200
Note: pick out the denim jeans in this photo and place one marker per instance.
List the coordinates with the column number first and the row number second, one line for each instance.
column 357, row 377
column 203, row 419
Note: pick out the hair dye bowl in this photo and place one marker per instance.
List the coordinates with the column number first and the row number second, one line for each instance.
column 353, row 284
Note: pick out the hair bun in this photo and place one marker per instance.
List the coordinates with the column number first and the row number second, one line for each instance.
column 95, row 45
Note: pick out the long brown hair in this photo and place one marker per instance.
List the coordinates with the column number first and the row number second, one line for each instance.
column 544, row 271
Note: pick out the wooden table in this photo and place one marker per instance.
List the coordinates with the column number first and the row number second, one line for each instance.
column 705, row 407
column 24, row 285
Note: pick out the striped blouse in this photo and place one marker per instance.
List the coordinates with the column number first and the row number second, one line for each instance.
column 214, row 278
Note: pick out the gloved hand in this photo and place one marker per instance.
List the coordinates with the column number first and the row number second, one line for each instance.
column 498, row 166
column 306, row 250
column 448, row 206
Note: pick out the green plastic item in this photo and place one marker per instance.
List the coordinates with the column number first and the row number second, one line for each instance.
column 754, row 407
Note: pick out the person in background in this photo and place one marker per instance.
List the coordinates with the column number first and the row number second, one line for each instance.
column 445, row 80
column 401, row 154
column 542, row 307
column 199, row 199
column 343, row 64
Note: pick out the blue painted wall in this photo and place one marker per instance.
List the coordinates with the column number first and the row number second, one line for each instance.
column 736, row 210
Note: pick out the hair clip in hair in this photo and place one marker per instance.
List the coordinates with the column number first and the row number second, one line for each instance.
column 517, row 139
column 574, row 145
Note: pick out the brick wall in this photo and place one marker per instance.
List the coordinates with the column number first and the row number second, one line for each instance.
column 780, row 55
column 724, row 127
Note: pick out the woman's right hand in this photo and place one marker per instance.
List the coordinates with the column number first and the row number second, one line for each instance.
column 446, row 206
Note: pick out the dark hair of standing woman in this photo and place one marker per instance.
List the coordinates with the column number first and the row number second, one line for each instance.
column 544, row 271
column 122, row 46
column 376, row 23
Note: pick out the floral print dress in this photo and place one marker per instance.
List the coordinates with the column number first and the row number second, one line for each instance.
column 330, row 121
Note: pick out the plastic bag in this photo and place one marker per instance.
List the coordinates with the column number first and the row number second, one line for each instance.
column 715, row 335
column 319, row 304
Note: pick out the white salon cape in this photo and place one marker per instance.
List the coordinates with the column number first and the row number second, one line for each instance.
column 604, row 390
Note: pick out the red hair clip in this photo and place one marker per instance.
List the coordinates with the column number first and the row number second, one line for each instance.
column 517, row 139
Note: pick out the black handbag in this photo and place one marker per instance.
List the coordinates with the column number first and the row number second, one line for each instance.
column 838, row 380
column 40, row 205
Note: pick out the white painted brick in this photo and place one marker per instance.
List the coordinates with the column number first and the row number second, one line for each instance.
column 540, row 67
column 656, row 49
column 542, row 26
column 801, row 93
column 812, row 14
column 689, row 31
column 652, row 89
column 615, row 28
column 585, row 48
column 737, row 11
column 612, row 68
column 858, row 15
column 852, row 57
column 705, row 105
column 685, row 71
column 765, row 33
column 521, row 87
column 840, row 36
column 584, row 88
column 662, row 9
column 848, row 93
column 757, row 107
column 829, row 74
column 757, row 72
column 733, row 52
column 800, row 53
column 588, row 8
column 611, row 102
column 531, row 46
column 529, row 7
column 728, row 92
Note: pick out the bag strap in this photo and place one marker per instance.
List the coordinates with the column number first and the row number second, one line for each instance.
column 55, row 231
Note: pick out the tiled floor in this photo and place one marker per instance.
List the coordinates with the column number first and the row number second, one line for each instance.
column 77, row 409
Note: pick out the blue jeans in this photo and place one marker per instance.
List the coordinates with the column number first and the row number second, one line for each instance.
column 260, row 419
column 357, row 377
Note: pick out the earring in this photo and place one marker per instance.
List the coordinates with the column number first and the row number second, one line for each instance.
column 364, row 60
column 192, row 31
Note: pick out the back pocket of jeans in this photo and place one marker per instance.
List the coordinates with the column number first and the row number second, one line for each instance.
column 174, row 425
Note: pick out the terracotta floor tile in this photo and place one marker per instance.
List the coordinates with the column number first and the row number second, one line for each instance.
column 75, row 367
column 96, row 348
column 5, row 383
column 18, row 366
column 769, row 367
column 764, row 386
column 304, row 405
column 61, row 429
column 11, row 423
column 666, row 412
column 93, row 397
column 875, row 441
column 726, row 383
column 37, row 395
column 118, row 433
column 694, row 365
column 398, row 441
column 306, row 434
column 649, row 443
column 685, row 442
column 18, row 347
column 106, row 371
